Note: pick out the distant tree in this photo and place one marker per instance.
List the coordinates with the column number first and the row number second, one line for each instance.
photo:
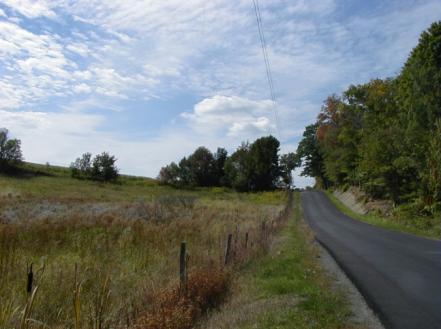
column 82, row 167
column 220, row 157
column 288, row 162
column 10, row 151
column 238, row 169
column 185, row 173
column 264, row 157
column 311, row 156
column 170, row 175
column 104, row 168
column 202, row 167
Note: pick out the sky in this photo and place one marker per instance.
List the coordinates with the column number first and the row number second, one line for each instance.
column 151, row 80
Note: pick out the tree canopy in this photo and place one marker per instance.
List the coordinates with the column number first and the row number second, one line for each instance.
column 252, row 167
column 10, row 151
column 385, row 135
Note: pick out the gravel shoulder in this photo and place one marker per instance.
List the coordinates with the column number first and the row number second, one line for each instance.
column 361, row 313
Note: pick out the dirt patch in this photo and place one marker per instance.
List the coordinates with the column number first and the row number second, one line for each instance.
column 359, row 202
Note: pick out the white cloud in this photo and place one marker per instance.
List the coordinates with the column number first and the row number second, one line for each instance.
column 232, row 115
column 111, row 52
column 82, row 88
column 31, row 8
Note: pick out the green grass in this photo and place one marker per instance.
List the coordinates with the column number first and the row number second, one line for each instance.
column 42, row 182
column 122, row 259
column 399, row 221
column 287, row 288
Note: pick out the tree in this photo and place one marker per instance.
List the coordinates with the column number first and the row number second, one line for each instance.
column 103, row 168
column 288, row 162
column 202, row 167
column 311, row 157
column 238, row 169
column 264, row 158
column 10, row 151
column 170, row 175
column 220, row 157
column 82, row 167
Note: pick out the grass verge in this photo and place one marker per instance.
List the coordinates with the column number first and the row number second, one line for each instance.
column 426, row 227
column 287, row 288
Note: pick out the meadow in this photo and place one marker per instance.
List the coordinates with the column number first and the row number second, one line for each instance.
column 107, row 255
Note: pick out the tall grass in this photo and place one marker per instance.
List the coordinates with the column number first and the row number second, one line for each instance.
column 108, row 271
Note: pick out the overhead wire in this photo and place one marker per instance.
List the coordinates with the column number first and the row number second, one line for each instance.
column 267, row 63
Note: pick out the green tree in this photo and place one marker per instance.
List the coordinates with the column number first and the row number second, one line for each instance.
column 170, row 175
column 264, row 157
column 202, row 167
column 288, row 162
column 104, row 168
column 311, row 156
column 238, row 169
column 220, row 157
column 82, row 167
column 10, row 151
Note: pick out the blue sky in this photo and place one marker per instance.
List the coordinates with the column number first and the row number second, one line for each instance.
column 149, row 81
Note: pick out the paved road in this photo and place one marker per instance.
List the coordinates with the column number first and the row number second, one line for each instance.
column 398, row 274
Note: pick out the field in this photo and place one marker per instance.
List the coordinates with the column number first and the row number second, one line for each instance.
column 114, row 248
column 107, row 256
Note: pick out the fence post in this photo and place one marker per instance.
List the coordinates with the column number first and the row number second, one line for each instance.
column 228, row 249
column 183, row 267
column 30, row 279
column 246, row 240
column 264, row 236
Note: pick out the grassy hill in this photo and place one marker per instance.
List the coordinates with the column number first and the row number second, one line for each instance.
column 106, row 255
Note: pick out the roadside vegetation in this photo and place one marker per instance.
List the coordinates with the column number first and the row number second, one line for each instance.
column 107, row 255
column 399, row 220
column 287, row 288
column 384, row 137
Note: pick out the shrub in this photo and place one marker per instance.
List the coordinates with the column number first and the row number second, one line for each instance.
column 10, row 151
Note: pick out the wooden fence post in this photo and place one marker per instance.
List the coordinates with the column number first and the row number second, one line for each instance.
column 183, row 267
column 228, row 249
column 30, row 279
column 264, row 235
column 246, row 240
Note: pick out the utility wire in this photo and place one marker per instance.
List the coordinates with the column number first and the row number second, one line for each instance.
column 267, row 63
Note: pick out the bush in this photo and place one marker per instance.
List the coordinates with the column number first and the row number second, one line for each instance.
column 10, row 151
column 102, row 168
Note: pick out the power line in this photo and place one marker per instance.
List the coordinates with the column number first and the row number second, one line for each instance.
column 267, row 63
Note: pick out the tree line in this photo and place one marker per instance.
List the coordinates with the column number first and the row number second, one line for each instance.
column 253, row 166
column 385, row 135
column 101, row 168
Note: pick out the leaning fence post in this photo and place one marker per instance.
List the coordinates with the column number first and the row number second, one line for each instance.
column 228, row 249
column 183, row 267
column 30, row 279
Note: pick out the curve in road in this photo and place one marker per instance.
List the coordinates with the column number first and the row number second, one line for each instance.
column 399, row 274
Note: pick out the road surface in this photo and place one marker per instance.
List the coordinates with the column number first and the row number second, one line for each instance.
column 399, row 274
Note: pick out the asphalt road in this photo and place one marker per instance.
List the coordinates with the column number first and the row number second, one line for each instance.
column 399, row 274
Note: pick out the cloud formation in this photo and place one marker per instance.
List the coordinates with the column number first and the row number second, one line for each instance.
column 194, row 66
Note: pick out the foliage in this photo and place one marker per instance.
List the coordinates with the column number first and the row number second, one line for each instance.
column 384, row 135
column 252, row 167
column 100, row 267
column 10, row 151
column 102, row 168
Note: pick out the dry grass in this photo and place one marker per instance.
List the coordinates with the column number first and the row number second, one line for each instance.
column 119, row 268
column 286, row 288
